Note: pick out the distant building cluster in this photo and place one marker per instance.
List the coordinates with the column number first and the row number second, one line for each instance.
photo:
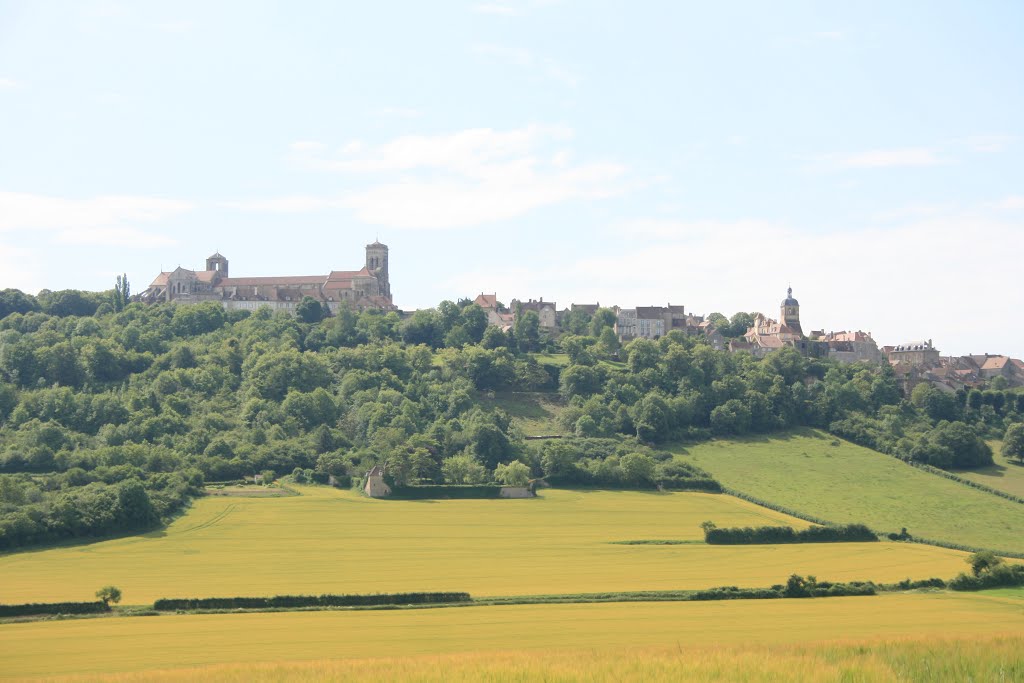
column 369, row 287
column 920, row 362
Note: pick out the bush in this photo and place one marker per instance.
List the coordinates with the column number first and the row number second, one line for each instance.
column 278, row 601
column 1000, row 576
column 38, row 608
column 850, row 533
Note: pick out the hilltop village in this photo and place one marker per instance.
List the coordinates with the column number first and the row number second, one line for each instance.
column 913, row 362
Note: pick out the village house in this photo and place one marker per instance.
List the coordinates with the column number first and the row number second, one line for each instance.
column 376, row 487
column 497, row 315
column 852, row 347
column 915, row 353
column 368, row 287
column 545, row 310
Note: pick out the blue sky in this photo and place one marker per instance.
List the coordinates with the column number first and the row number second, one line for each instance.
column 704, row 154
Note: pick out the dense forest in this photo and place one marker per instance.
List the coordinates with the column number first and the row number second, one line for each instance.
column 114, row 414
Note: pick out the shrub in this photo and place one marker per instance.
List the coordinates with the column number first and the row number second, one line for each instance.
column 170, row 604
column 850, row 533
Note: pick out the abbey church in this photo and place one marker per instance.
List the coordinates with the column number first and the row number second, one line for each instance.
column 360, row 289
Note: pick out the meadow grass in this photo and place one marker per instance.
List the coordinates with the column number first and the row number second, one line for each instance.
column 737, row 640
column 536, row 413
column 1003, row 474
column 803, row 472
column 330, row 541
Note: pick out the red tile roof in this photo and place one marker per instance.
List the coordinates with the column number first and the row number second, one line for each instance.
column 995, row 363
column 486, row 300
column 273, row 281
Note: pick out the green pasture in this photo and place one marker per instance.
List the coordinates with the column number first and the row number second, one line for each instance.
column 802, row 471
column 536, row 413
column 1003, row 474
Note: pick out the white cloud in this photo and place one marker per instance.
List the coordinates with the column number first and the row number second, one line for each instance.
column 290, row 204
column 520, row 57
column 113, row 237
column 989, row 143
column 927, row 278
column 99, row 220
column 454, row 180
column 884, row 158
column 1011, row 203
column 8, row 83
column 829, row 35
column 471, row 152
column 19, row 268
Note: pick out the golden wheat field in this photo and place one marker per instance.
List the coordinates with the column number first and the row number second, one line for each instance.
column 761, row 639
column 330, row 541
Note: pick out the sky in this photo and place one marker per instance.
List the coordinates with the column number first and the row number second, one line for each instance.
column 867, row 154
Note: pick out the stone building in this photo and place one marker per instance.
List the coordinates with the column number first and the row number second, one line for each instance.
column 376, row 487
column 642, row 322
column 545, row 310
column 497, row 315
column 852, row 347
column 652, row 322
column 368, row 287
column 767, row 335
column 916, row 353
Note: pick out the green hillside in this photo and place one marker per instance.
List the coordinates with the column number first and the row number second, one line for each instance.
column 1003, row 474
column 536, row 413
column 804, row 472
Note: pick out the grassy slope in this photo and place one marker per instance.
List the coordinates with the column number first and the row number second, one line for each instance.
column 848, row 483
column 338, row 542
column 536, row 413
column 140, row 644
column 1005, row 475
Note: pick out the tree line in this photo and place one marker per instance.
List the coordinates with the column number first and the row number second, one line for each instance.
column 103, row 411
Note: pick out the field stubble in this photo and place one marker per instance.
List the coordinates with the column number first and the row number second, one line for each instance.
column 329, row 541
column 957, row 637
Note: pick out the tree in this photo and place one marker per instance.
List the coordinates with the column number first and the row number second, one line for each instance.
column 494, row 338
column 513, row 474
column 1013, row 441
column 637, row 468
column 109, row 594
column 603, row 317
column 463, row 469
column 474, row 321
column 608, row 343
column 309, row 310
column 122, row 293
column 983, row 561
column 527, row 331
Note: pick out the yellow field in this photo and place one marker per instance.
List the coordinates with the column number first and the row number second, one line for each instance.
column 767, row 639
column 328, row 541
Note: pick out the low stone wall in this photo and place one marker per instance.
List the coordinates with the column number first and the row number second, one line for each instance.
column 515, row 492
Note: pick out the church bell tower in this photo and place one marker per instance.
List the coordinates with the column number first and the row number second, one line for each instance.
column 217, row 263
column 790, row 312
column 377, row 264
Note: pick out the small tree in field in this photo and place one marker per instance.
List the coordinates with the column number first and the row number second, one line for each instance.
column 1013, row 441
column 109, row 594
column 513, row 474
column 983, row 561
